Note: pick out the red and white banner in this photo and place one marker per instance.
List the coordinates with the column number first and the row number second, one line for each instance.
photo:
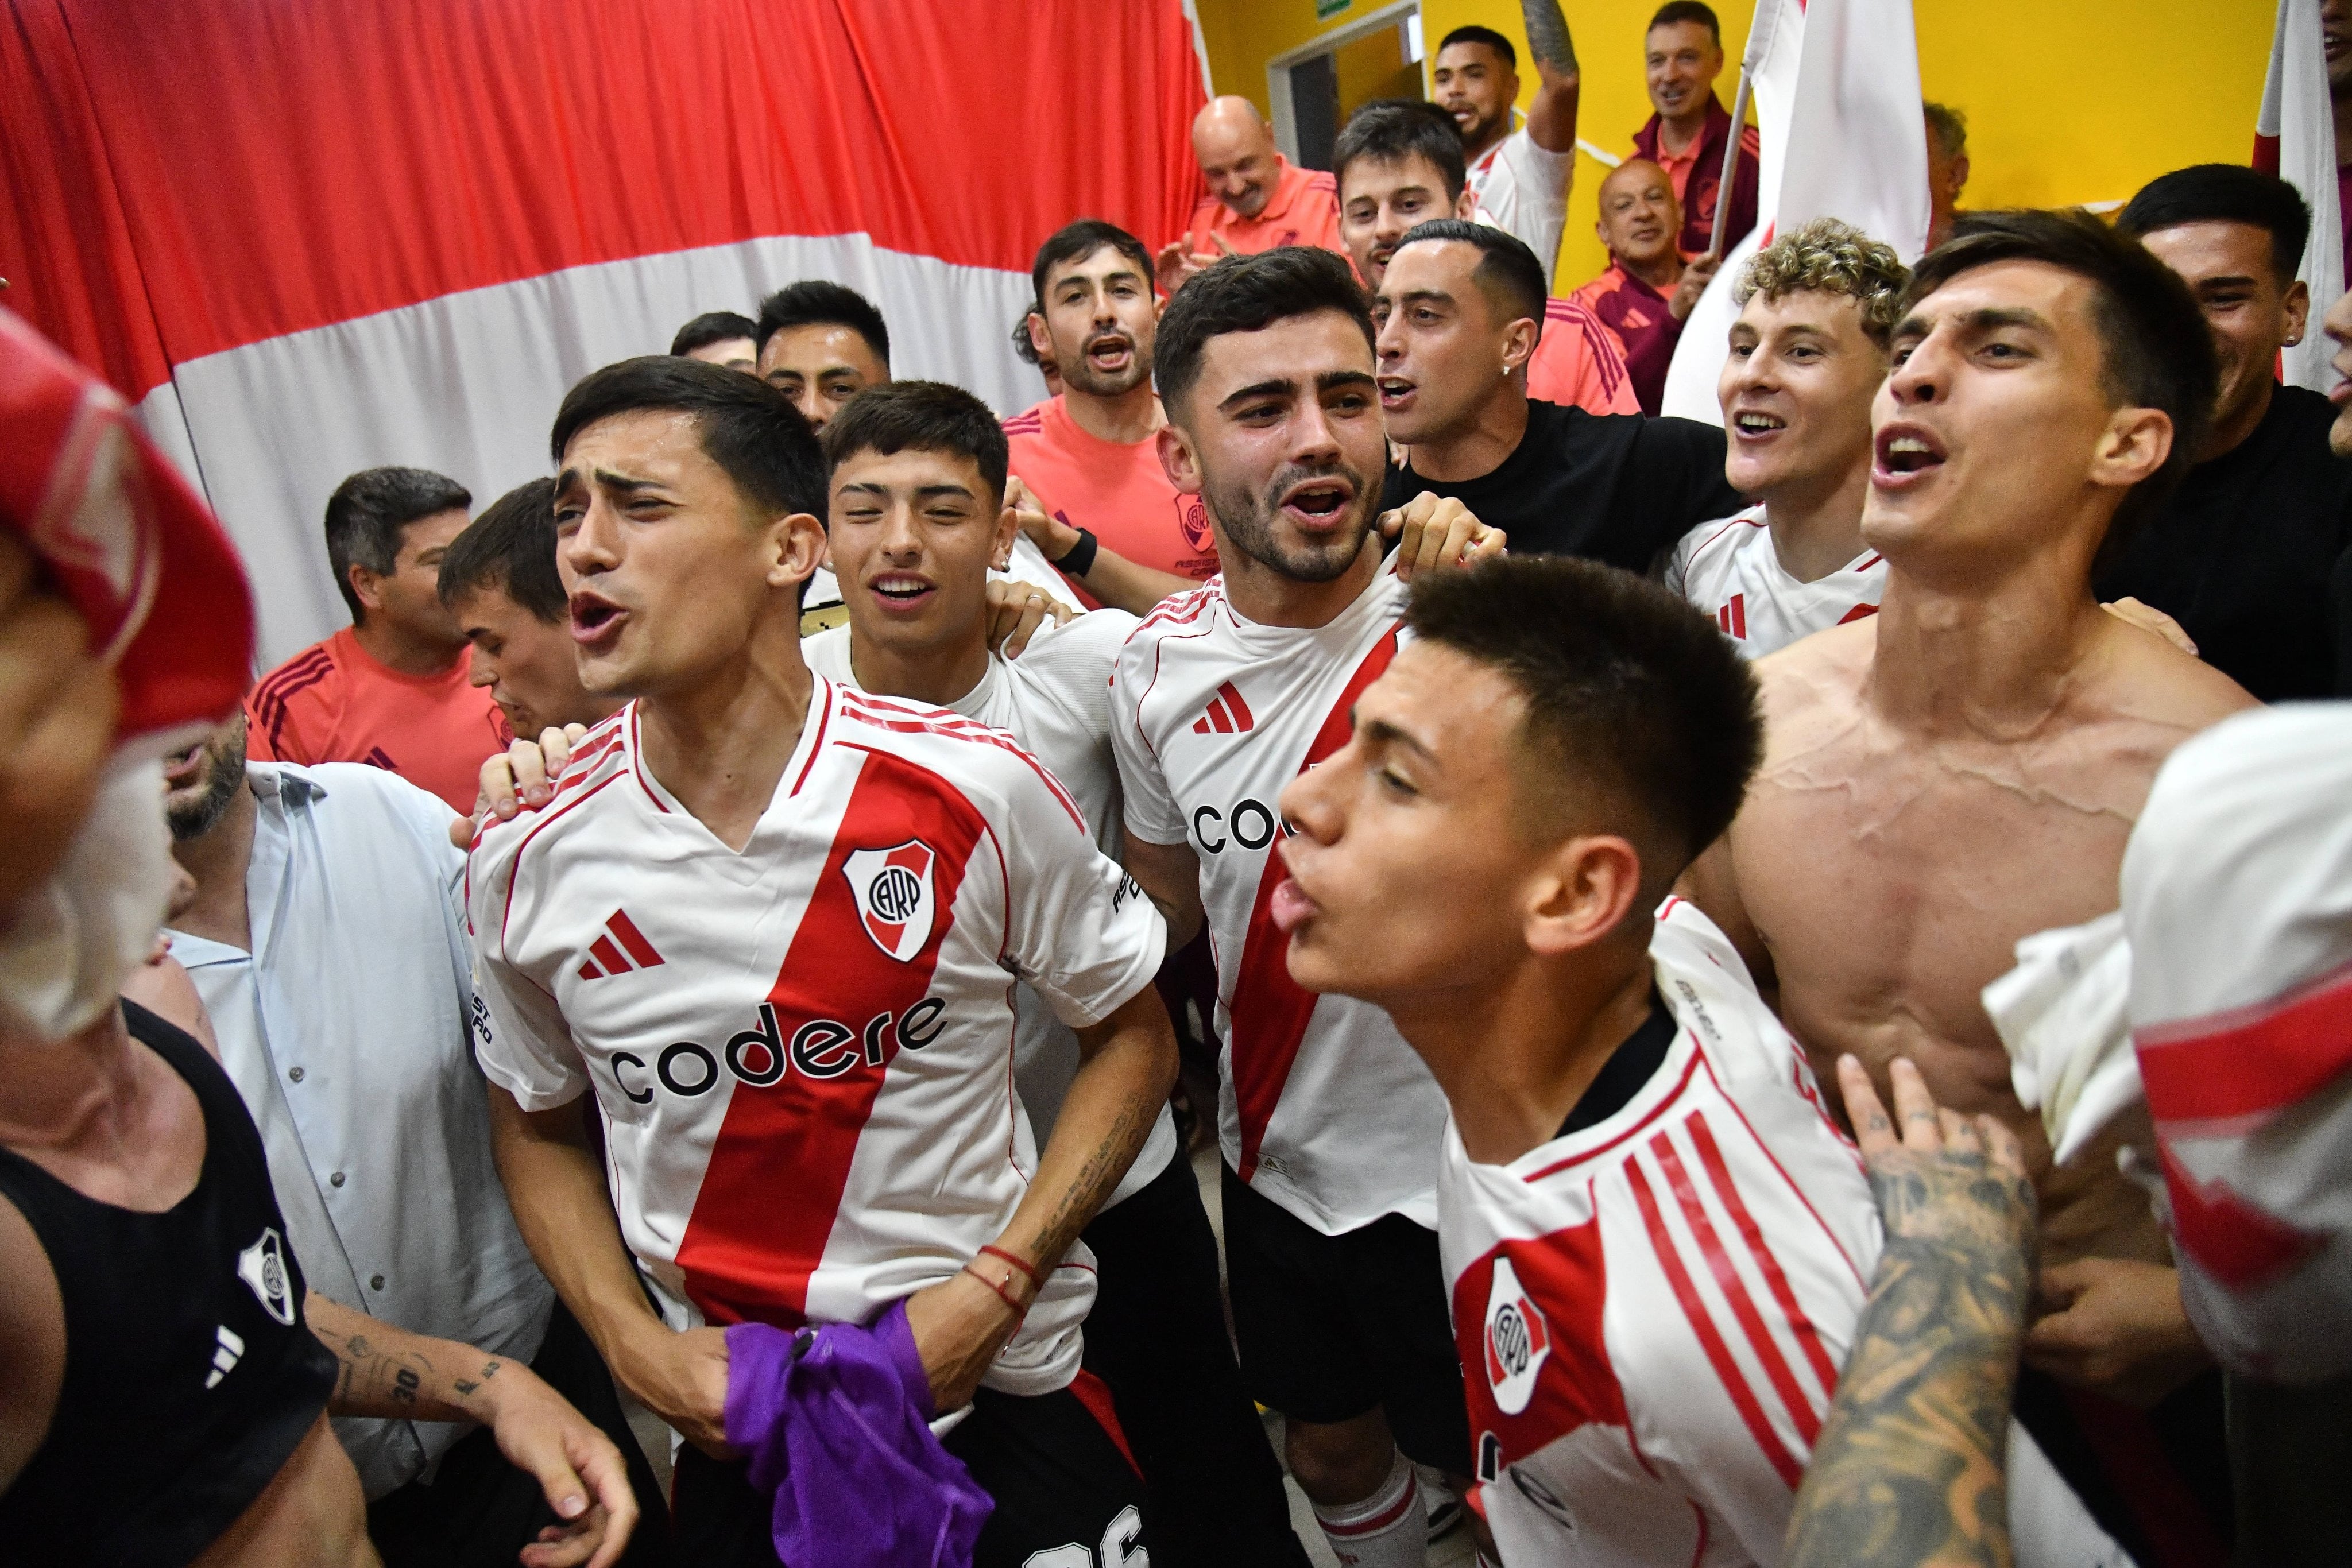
column 1836, row 85
column 2296, row 140
column 306, row 237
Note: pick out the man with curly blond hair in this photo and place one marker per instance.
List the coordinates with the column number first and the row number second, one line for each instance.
column 1807, row 355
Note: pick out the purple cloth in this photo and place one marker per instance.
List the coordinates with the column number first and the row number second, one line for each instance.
column 836, row 1422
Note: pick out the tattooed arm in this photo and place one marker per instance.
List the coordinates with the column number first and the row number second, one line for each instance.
column 389, row 1372
column 1551, row 118
column 1909, row 1469
column 1127, row 1066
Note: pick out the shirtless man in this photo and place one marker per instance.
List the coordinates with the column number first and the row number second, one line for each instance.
column 1962, row 769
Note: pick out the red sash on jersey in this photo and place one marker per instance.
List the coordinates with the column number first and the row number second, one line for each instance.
column 1270, row 1010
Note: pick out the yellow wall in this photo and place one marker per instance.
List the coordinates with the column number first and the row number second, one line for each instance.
column 2067, row 101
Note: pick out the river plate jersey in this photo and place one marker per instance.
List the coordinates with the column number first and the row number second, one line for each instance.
column 804, row 1052
column 1652, row 1312
column 1054, row 699
column 1322, row 1107
column 1730, row 569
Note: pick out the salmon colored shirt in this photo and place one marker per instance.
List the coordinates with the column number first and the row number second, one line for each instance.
column 1304, row 209
column 333, row 702
column 1116, row 491
column 1579, row 361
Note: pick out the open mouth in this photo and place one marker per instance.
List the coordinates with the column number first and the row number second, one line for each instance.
column 1904, row 452
column 596, row 620
column 1756, row 422
column 1289, row 907
column 1318, row 504
column 1111, row 351
column 181, row 771
column 903, row 591
column 1395, row 391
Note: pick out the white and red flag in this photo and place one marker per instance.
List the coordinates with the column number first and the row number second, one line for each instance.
column 304, row 238
column 1836, row 86
column 2296, row 140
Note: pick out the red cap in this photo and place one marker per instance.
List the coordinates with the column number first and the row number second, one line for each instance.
column 126, row 542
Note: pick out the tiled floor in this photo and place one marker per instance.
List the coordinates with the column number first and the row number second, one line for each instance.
column 1455, row 1551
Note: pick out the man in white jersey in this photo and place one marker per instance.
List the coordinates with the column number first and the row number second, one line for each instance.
column 1807, row 354
column 917, row 514
column 1656, row 1241
column 770, row 922
column 1518, row 177
column 1328, row 1124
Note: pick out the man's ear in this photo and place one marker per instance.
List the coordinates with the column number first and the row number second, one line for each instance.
column 798, row 544
column 1581, row 892
column 1008, row 528
column 1039, row 340
column 1518, row 344
column 1177, row 460
column 1465, row 206
column 2297, row 306
column 363, row 582
column 2132, row 446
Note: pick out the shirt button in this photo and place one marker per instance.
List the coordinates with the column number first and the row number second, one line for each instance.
column 376, row 1282
column 336, row 1179
column 296, row 1075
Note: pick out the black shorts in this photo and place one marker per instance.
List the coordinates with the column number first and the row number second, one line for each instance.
column 1066, row 1494
column 1331, row 1326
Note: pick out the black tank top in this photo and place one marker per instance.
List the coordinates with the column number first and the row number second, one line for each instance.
column 190, row 1374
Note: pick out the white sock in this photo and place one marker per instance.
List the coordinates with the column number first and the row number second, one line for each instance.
column 1387, row 1530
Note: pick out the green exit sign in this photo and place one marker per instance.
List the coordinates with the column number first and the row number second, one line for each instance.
column 1326, row 9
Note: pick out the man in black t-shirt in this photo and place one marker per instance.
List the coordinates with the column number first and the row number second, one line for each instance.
column 1459, row 312
column 2243, row 554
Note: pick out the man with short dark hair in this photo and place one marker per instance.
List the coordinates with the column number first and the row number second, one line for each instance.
column 722, row 338
column 1686, row 135
column 1399, row 164
column 1482, row 860
column 1458, row 311
column 499, row 580
column 1947, row 167
column 2240, row 554
column 1648, row 290
column 770, row 925
column 1257, row 199
column 390, row 689
column 1105, row 514
column 1991, row 728
column 919, row 475
column 821, row 344
column 1518, row 178
column 1326, row 1125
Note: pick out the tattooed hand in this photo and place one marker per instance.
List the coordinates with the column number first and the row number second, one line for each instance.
column 1909, row 1468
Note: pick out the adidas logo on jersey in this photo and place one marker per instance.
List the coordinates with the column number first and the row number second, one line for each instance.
column 619, row 949
column 1733, row 617
column 1227, row 714
column 228, row 1348
column 1518, row 1341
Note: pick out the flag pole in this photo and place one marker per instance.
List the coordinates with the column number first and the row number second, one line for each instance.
column 1730, row 166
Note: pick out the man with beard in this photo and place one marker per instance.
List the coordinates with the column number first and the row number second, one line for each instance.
column 1257, row 199
column 1399, row 164
column 1458, row 312
column 1520, row 177
column 1328, row 1124
column 371, row 1112
column 1961, row 770
column 1088, row 459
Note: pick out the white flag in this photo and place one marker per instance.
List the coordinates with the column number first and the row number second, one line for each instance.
column 2296, row 140
column 1836, row 85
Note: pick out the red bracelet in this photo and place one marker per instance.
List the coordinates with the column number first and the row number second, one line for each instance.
column 1017, row 1261
column 1018, row 1310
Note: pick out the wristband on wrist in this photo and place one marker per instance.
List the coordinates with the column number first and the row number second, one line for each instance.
column 1079, row 559
column 1036, row 1280
column 1002, row 1293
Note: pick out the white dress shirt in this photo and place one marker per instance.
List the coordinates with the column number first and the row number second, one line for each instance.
column 345, row 1031
column 1522, row 189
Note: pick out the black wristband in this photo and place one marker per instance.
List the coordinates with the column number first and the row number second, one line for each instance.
column 1079, row 559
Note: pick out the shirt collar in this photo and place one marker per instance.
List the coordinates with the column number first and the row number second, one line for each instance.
column 278, row 781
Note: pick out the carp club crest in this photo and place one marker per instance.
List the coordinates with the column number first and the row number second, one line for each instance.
column 1193, row 518
column 1518, row 1341
column 893, row 889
